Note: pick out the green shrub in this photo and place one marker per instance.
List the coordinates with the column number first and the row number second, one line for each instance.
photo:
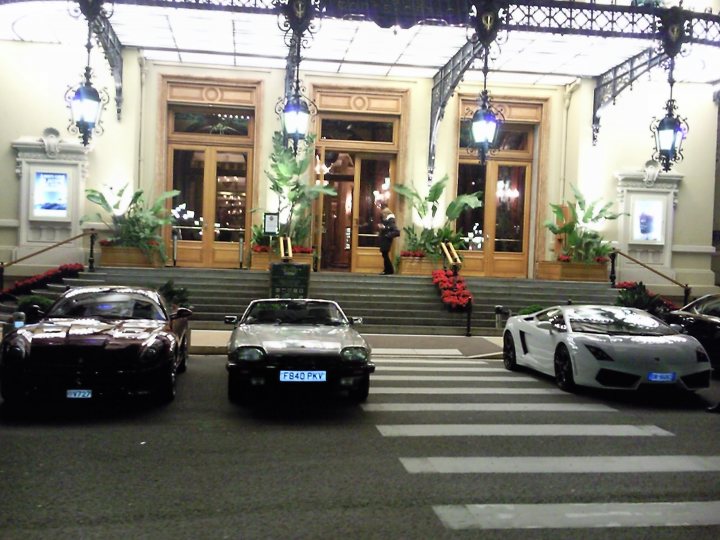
column 530, row 309
column 25, row 303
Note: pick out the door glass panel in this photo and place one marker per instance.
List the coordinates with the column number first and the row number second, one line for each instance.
column 357, row 130
column 339, row 172
column 188, row 171
column 471, row 223
column 230, row 196
column 374, row 190
column 510, row 213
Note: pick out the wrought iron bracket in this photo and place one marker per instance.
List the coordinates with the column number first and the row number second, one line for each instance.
column 112, row 48
column 614, row 81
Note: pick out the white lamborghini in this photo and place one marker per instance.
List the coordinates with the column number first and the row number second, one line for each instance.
column 604, row 347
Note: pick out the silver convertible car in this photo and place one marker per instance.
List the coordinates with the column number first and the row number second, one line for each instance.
column 296, row 344
column 604, row 347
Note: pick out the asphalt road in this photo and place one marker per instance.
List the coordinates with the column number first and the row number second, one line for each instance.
column 303, row 468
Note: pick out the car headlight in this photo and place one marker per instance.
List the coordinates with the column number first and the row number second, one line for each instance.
column 354, row 354
column 13, row 354
column 701, row 355
column 151, row 354
column 247, row 354
column 599, row 353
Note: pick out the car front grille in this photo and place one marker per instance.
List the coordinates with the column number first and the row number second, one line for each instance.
column 697, row 380
column 617, row 379
column 308, row 361
column 82, row 357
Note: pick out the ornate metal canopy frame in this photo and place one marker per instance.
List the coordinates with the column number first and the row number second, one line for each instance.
column 604, row 19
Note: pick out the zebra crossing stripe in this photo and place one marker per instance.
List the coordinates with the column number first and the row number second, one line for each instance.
column 416, row 361
column 521, row 430
column 385, row 368
column 514, row 407
column 416, row 352
column 454, row 378
column 558, row 465
column 464, row 390
column 593, row 515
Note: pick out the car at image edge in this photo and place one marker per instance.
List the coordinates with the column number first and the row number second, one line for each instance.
column 97, row 342
column 604, row 347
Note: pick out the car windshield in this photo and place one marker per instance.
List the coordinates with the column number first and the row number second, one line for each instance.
column 294, row 312
column 616, row 320
column 108, row 306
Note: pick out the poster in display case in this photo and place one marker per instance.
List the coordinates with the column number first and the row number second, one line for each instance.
column 648, row 219
column 49, row 196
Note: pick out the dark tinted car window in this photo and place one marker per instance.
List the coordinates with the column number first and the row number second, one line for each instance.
column 111, row 306
column 294, row 312
column 617, row 320
column 709, row 306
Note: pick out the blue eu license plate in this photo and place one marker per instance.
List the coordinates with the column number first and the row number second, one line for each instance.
column 76, row 393
column 661, row 377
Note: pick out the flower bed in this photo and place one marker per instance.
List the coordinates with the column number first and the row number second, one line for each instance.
column 54, row 275
column 636, row 294
column 454, row 293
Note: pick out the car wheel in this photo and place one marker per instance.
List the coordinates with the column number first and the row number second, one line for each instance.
column 183, row 353
column 563, row 369
column 166, row 388
column 509, row 358
column 361, row 392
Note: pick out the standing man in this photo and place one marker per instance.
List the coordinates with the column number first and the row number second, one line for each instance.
column 387, row 231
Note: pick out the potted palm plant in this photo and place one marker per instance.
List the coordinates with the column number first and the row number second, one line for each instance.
column 422, row 252
column 134, row 230
column 295, row 192
column 582, row 251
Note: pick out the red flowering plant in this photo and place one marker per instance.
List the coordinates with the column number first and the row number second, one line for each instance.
column 636, row 294
column 54, row 275
column 453, row 290
column 419, row 253
column 564, row 258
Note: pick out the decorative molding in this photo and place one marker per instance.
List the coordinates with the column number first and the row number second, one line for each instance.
column 690, row 248
column 636, row 181
column 9, row 223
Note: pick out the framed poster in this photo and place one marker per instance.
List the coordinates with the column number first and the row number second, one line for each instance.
column 648, row 219
column 271, row 223
column 49, row 192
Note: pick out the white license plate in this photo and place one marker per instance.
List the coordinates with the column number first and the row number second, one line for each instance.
column 303, row 376
column 661, row 377
column 78, row 394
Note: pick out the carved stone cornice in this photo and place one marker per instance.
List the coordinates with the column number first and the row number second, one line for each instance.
column 636, row 181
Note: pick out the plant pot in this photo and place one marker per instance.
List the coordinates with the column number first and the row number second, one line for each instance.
column 261, row 260
column 417, row 266
column 570, row 271
column 128, row 256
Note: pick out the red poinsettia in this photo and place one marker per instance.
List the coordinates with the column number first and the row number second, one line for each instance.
column 564, row 258
column 55, row 275
column 453, row 289
column 302, row 249
column 260, row 249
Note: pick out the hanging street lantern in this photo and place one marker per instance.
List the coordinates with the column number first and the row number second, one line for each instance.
column 85, row 102
column 670, row 132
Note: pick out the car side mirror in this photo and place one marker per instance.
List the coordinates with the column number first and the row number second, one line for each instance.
column 231, row 319
column 181, row 313
column 33, row 314
column 356, row 320
column 545, row 325
column 678, row 328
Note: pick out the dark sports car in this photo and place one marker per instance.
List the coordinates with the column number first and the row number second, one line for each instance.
column 96, row 342
column 701, row 319
column 296, row 344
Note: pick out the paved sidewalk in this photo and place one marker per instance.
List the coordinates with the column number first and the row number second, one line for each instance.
column 215, row 342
